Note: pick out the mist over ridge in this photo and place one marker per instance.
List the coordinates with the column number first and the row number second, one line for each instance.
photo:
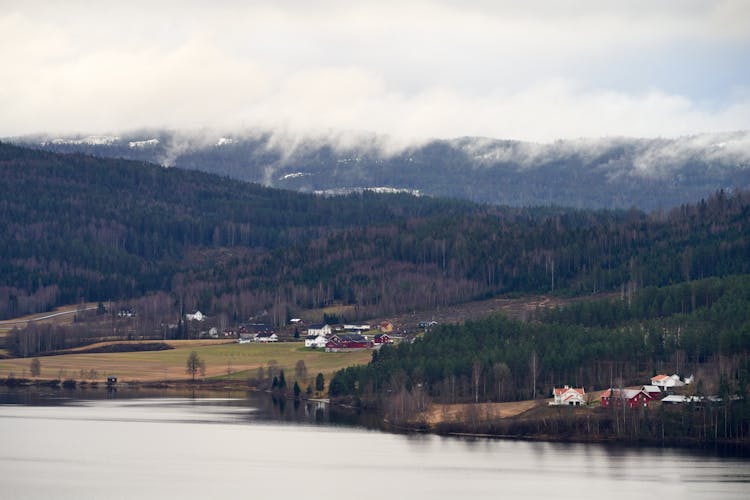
column 608, row 172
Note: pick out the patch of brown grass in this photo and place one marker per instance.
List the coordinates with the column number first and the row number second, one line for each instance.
column 443, row 413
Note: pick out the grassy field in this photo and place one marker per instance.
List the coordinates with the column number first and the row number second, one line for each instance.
column 242, row 360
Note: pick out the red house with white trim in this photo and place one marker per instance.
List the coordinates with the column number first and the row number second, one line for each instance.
column 382, row 338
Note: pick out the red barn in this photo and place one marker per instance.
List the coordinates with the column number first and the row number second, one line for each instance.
column 632, row 398
column 342, row 343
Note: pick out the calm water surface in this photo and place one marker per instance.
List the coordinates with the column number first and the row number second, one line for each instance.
column 215, row 448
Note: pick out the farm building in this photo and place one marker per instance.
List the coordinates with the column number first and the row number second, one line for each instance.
column 319, row 329
column 568, row 396
column 382, row 338
column 265, row 337
column 196, row 316
column 653, row 391
column 665, row 381
column 316, row 341
column 357, row 328
column 347, row 342
column 632, row 398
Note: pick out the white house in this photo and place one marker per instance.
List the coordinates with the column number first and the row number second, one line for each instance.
column 198, row 316
column 319, row 329
column 265, row 337
column 663, row 381
column 316, row 341
column 357, row 328
column 568, row 396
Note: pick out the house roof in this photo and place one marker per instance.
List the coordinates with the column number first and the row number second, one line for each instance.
column 351, row 337
column 317, row 326
column 265, row 334
column 562, row 390
column 678, row 398
column 576, row 395
column 650, row 388
column 625, row 393
column 260, row 327
column 659, row 377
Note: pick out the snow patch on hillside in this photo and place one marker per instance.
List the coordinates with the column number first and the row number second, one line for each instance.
column 93, row 140
column 143, row 144
column 376, row 189
column 294, row 175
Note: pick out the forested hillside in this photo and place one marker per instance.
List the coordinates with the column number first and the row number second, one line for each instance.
column 594, row 344
column 700, row 328
column 75, row 227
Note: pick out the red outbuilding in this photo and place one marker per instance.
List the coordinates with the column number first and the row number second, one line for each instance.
column 632, row 398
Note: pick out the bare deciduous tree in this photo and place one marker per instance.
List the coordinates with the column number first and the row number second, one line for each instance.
column 195, row 365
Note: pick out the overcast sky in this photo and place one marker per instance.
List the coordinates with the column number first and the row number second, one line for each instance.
column 534, row 70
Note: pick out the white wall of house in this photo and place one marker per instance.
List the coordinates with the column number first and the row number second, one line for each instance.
column 325, row 330
column 569, row 397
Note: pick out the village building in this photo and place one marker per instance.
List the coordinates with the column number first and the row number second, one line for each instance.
column 126, row 313
column 256, row 328
column 653, row 391
column 357, row 328
column 382, row 338
column 666, row 381
column 319, row 329
column 632, row 398
column 386, row 327
column 347, row 342
column 197, row 316
column 676, row 399
column 316, row 341
column 265, row 337
column 568, row 396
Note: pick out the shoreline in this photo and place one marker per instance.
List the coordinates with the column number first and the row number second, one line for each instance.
column 450, row 429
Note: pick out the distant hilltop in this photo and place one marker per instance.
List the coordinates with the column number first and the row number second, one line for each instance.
column 648, row 174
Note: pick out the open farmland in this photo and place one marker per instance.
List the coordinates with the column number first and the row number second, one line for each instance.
column 63, row 315
column 221, row 358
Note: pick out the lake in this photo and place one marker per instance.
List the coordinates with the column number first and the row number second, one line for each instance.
column 94, row 445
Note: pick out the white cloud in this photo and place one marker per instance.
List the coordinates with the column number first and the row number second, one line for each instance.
column 531, row 70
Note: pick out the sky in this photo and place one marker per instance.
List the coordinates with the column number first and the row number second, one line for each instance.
column 528, row 70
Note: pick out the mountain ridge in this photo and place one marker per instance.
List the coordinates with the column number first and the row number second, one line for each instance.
column 648, row 174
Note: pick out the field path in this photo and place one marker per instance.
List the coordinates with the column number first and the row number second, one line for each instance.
column 61, row 313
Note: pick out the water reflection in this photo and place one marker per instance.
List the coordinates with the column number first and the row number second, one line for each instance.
column 234, row 444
